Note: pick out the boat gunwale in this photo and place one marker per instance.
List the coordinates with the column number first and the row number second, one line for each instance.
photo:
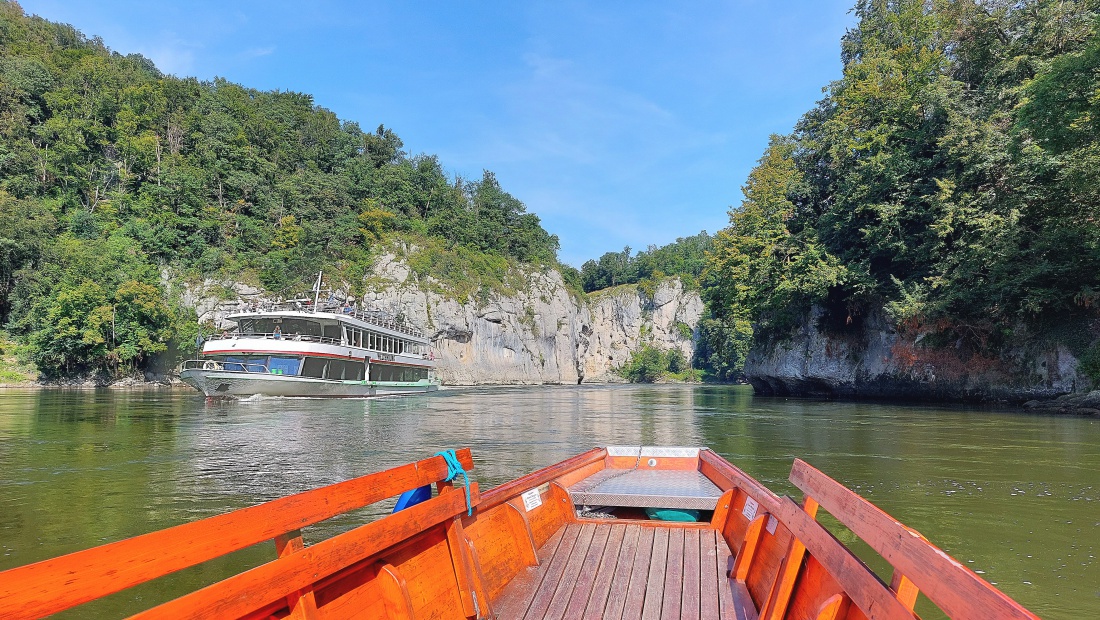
column 143, row 557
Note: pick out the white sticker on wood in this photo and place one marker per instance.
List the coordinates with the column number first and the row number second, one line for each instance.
column 531, row 500
column 750, row 508
column 772, row 522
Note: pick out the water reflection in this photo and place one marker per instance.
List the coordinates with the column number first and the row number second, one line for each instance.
column 1012, row 495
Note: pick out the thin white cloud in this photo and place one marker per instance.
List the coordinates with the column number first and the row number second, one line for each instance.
column 257, row 52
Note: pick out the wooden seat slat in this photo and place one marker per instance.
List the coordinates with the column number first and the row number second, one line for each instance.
column 954, row 588
column 56, row 584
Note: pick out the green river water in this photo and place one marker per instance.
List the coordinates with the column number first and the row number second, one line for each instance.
column 1013, row 495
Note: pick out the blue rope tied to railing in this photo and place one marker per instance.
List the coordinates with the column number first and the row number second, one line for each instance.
column 454, row 468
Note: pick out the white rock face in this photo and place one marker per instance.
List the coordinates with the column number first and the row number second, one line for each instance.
column 878, row 361
column 542, row 334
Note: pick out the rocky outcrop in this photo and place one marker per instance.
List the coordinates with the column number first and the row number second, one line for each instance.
column 1077, row 404
column 542, row 333
column 877, row 360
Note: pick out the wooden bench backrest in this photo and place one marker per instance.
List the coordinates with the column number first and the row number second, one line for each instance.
column 951, row 586
column 57, row 584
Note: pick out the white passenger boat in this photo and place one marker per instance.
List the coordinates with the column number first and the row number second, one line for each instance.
column 301, row 348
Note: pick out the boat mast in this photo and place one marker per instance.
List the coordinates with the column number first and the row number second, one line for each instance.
column 317, row 290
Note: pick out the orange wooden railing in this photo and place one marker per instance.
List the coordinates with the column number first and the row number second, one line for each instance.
column 60, row 583
column 917, row 563
column 800, row 569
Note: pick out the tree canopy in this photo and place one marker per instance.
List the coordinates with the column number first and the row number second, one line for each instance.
column 948, row 177
column 111, row 171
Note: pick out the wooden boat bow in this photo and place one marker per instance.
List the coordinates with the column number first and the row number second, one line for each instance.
column 526, row 551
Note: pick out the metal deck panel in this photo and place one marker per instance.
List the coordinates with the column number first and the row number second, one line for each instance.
column 643, row 488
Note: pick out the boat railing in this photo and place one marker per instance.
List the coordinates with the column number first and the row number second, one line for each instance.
column 51, row 586
column 430, row 356
column 248, row 367
column 372, row 316
column 277, row 336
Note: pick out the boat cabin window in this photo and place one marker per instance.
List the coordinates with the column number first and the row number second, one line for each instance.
column 314, row 367
column 284, row 365
column 332, row 331
column 288, row 327
column 247, row 363
column 384, row 372
column 321, row 368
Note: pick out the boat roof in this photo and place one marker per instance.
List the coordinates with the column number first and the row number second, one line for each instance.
column 373, row 320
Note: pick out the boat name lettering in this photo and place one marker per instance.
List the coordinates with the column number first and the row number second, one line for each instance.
column 532, row 500
column 386, row 356
column 750, row 508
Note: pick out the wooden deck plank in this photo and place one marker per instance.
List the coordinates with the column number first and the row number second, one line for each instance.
column 516, row 598
column 594, row 566
column 549, row 584
column 673, row 576
column 743, row 607
column 689, row 597
column 655, row 582
column 708, row 571
column 639, row 575
column 619, row 580
column 725, row 591
column 601, row 587
column 570, row 577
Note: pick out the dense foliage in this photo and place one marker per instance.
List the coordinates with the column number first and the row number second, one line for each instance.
column 948, row 177
column 685, row 257
column 650, row 364
column 111, row 171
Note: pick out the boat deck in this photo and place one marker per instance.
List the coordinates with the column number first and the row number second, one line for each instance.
column 640, row 488
column 614, row 570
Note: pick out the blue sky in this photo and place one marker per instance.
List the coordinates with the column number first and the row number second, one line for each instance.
column 618, row 123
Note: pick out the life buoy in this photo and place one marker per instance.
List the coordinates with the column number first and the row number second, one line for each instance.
column 209, row 365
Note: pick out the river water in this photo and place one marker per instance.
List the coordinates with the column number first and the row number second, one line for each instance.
column 1013, row 495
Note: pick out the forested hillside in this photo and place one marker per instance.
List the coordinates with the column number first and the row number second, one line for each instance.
column 110, row 172
column 949, row 177
column 685, row 258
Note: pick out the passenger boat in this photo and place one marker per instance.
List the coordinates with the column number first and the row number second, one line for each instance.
column 681, row 533
column 303, row 348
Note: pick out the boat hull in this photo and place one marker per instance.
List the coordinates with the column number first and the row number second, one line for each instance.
column 221, row 383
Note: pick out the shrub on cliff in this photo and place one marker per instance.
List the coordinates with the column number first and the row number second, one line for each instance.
column 649, row 364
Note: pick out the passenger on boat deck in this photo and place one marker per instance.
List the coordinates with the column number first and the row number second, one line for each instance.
column 225, row 335
column 297, row 336
column 278, row 333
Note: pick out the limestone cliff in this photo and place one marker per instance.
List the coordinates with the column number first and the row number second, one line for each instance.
column 540, row 333
column 877, row 360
